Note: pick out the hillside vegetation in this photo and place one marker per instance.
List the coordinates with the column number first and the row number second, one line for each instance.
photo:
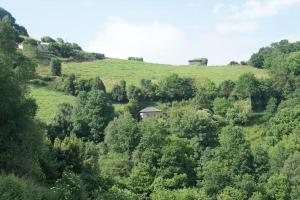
column 236, row 140
column 113, row 70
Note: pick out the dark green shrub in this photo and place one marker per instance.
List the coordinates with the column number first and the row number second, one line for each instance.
column 140, row 59
column 55, row 65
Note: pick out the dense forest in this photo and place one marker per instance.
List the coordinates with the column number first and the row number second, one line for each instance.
column 234, row 141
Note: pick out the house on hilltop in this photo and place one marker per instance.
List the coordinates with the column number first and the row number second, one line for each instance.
column 149, row 112
column 198, row 62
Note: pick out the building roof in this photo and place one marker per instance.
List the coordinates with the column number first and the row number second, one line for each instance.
column 197, row 60
column 150, row 109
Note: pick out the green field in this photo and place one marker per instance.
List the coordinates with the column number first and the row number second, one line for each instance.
column 48, row 101
column 113, row 70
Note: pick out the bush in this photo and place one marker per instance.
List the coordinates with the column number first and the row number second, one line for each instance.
column 136, row 59
column 244, row 63
column 55, row 65
column 220, row 106
column 239, row 113
column 70, row 187
column 233, row 63
column 38, row 82
column 14, row 188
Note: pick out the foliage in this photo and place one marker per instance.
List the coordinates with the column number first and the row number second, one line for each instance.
column 239, row 113
column 61, row 126
column 180, row 194
column 69, row 187
column 206, row 92
column 55, row 65
column 92, row 113
column 12, row 187
column 175, row 88
column 221, row 105
column 136, row 59
column 119, row 93
column 122, row 134
column 20, row 30
column 225, row 88
column 199, row 125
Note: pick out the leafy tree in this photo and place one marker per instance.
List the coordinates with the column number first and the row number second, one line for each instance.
column 98, row 84
column 174, row 88
column 232, row 158
column 205, row 93
column 291, row 168
column 47, row 39
column 20, row 136
column 149, row 90
column 293, row 61
column 239, row 113
column 233, row 63
column 7, row 39
column 190, row 123
column 230, row 193
column 271, row 108
column 122, row 134
column 225, row 88
column 92, row 113
column 116, row 166
column 283, row 123
column 116, row 193
column 221, row 105
column 135, row 93
column 62, row 123
column 70, row 84
column 176, row 166
column 55, row 65
column 247, row 86
column 151, row 143
column 69, row 187
column 119, row 93
column 180, row 194
column 12, row 187
column 141, row 179
column 257, row 60
column 19, row 30
column 278, row 187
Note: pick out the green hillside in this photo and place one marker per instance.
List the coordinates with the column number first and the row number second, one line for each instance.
column 48, row 101
column 113, row 70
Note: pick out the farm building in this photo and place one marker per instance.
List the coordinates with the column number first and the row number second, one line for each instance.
column 42, row 47
column 198, row 62
column 149, row 112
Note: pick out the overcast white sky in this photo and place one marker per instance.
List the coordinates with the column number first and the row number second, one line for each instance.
column 169, row 31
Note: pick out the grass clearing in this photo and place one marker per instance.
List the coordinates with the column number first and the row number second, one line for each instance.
column 48, row 101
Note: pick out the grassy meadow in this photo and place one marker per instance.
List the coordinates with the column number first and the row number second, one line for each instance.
column 48, row 101
column 114, row 70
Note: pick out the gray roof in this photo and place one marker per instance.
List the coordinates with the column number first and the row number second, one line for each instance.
column 150, row 109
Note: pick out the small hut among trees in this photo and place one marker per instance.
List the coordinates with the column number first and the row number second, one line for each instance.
column 149, row 112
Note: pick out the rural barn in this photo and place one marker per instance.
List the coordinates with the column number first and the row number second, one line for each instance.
column 149, row 112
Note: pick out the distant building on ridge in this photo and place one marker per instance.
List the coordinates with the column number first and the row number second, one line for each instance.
column 198, row 62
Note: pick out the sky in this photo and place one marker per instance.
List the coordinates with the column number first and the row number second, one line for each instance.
column 163, row 31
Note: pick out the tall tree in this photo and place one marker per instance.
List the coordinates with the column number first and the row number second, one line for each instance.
column 92, row 113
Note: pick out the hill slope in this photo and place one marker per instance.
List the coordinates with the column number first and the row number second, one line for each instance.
column 113, row 70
